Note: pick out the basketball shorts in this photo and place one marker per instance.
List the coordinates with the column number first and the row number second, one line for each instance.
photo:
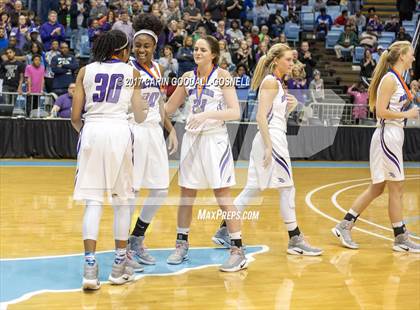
column 386, row 157
column 206, row 161
column 151, row 167
column 104, row 161
column 279, row 172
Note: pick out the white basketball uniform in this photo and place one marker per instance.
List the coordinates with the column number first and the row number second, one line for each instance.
column 151, row 167
column 206, row 159
column 104, row 150
column 386, row 156
column 279, row 172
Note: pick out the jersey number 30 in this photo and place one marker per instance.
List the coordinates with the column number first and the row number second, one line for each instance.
column 108, row 88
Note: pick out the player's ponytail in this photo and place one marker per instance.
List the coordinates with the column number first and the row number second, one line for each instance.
column 388, row 59
column 265, row 64
column 109, row 44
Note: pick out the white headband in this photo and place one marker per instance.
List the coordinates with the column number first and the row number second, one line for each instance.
column 122, row 47
column 145, row 31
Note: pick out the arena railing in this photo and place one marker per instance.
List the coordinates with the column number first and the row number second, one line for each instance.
column 33, row 105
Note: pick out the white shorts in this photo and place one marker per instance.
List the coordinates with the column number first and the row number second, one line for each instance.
column 206, row 161
column 386, row 157
column 151, row 167
column 279, row 172
column 104, row 161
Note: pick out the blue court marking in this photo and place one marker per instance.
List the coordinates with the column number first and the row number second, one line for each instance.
column 29, row 276
column 174, row 164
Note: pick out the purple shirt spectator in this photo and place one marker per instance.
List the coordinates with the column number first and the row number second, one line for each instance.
column 52, row 30
column 62, row 105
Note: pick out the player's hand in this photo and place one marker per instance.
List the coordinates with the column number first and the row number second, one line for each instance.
column 172, row 142
column 196, row 120
column 291, row 103
column 412, row 113
column 267, row 157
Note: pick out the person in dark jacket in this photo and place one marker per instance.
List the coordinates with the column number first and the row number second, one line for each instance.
column 305, row 57
column 52, row 30
column 63, row 66
column 79, row 14
column 406, row 9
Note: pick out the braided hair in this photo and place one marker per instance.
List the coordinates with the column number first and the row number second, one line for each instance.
column 109, row 44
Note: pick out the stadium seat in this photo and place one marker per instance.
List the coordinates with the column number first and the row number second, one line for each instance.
column 388, row 34
column 409, row 23
column 358, row 54
column 332, row 38
column 307, row 9
column 337, row 28
column 385, row 41
column 292, row 32
column 84, row 47
column 308, row 21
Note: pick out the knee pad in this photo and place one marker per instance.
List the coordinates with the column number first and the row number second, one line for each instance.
column 91, row 219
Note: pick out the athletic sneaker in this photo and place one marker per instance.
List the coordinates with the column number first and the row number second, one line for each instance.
column 90, row 277
column 222, row 237
column 141, row 255
column 180, row 254
column 121, row 273
column 343, row 232
column 403, row 243
column 299, row 246
column 132, row 262
column 236, row 261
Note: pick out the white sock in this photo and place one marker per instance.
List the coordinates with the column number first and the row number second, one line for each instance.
column 181, row 230
column 236, row 235
column 120, row 255
column 354, row 213
column 122, row 219
column 287, row 207
column 244, row 198
column 152, row 204
column 397, row 224
column 91, row 219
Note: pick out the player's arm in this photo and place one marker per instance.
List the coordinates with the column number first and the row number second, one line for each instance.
column 172, row 138
column 387, row 89
column 78, row 101
column 139, row 106
column 178, row 97
column 268, row 91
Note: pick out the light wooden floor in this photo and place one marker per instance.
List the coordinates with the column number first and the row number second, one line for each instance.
column 39, row 218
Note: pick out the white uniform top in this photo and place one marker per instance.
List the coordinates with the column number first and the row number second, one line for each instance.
column 211, row 99
column 277, row 114
column 396, row 103
column 107, row 89
column 150, row 90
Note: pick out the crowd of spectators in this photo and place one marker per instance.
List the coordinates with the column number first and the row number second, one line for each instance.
column 43, row 56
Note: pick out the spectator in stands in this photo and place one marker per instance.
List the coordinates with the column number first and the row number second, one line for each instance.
column 360, row 100
column 377, row 54
column 283, row 38
column 35, row 50
column 243, row 56
column 208, row 23
column 15, row 13
column 172, row 12
column 415, row 91
column 185, row 56
column 220, row 33
column 296, row 63
column 323, row 22
column 194, row 14
column 368, row 38
column 12, row 74
column 276, row 22
column 234, row 8
column 18, row 52
column 242, row 79
column 108, row 21
column 34, row 75
column 4, row 42
column 168, row 62
column 255, row 35
column 261, row 12
column 316, row 87
column 319, row 4
column 21, row 32
column 367, row 65
column 264, row 33
column 292, row 17
column 136, row 7
column 62, row 13
column 341, row 20
column 52, row 30
column 5, row 22
column 49, row 74
column 224, row 52
column 235, row 33
column 347, row 40
column 261, row 51
column 305, row 57
column 360, row 20
column 371, row 14
column 173, row 37
column 216, row 10
column 402, row 35
column 94, row 31
column 406, row 9
column 351, row 22
column 297, row 83
column 393, row 25
column 376, row 24
column 62, row 106
column 79, row 14
column 97, row 9
column 33, row 38
column 246, row 26
column 63, row 66
column 124, row 24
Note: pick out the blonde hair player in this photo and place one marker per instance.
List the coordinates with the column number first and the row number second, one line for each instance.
column 151, row 167
column 206, row 156
column 104, row 157
column 389, row 96
column 269, row 164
